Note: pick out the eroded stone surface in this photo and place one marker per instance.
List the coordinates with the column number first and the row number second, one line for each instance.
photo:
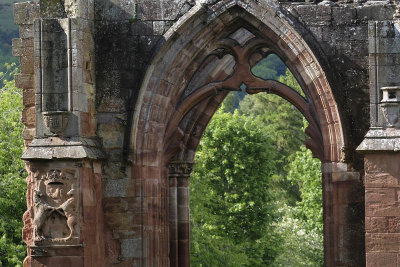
column 129, row 62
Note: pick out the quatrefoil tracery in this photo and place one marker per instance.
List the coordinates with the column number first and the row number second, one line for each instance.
column 245, row 57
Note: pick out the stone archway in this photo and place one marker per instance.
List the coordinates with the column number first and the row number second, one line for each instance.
column 169, row 120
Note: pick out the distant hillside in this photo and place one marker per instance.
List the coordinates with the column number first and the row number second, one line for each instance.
column 8, row 31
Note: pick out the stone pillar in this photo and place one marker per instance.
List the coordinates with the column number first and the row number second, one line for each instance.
column 179, row 173
column 63, row 225
column 381, row 147
column 173, row 220
column 382, row 202
column 343, row 204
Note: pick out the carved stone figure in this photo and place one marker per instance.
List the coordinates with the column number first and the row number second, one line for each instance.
column 55, row 203
column 69, row 209
column 41, row 214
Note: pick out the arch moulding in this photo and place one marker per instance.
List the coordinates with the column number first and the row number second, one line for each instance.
column 168, row 120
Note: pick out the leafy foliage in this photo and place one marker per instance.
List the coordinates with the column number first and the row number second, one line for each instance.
column 302, row 225
column 250, row 206
column 271, row 67
column 284, row 123
column 235, row 162
column 12, row 185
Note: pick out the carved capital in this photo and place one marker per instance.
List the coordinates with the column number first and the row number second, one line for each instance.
column 180, row 169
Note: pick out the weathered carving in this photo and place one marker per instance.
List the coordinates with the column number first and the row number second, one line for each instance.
column 390, row 105
column 55, row 208
column 180, row 168
column 56, row 122
column 71, row 8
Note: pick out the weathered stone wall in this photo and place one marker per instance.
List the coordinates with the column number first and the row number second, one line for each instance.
column 382, row 174
column 24, row 16
column 122, row 39
column 127, row 39
column 342, row 34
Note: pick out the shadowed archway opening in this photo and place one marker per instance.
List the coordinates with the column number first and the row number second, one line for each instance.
column 255, row 191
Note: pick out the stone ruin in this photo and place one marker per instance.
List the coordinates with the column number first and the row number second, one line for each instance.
column 117, row 94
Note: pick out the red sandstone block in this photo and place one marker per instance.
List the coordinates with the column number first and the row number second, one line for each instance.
column 381, row 180
column 61, row 261
column 382, row 242
column 382, row 224
column 393, row 224
column 25, row 13
column 87, row 124
column 133, row 231
column 22, row 47
column 115, row 205
column 26, row 31
column 380, row 195
column 28, row 133
column 119, row 220
column 124, row 263
column 24, row 81
column 149, row 158
column 28, row 97
column 135, row 188
column 382, row 163
column 376, row 225
column 89, row 234
column 28, row 116
column 382, row 209
column 153, row 142
column 143, row 172
column 381, row 260
column 27, row 64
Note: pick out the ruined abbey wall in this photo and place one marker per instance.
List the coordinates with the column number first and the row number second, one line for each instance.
column 88, row 142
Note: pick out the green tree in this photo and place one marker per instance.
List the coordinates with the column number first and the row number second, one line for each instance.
column 284, row 123
column 230, row 196
column 271, row 67
column 231, row 169
column 301, row 227
column 12, row 183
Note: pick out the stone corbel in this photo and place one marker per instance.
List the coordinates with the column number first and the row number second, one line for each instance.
column 390, row 105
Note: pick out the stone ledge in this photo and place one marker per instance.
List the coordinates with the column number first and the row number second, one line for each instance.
column 63, row 148
column 380, row 140
column 345, row 176
column 56, row 250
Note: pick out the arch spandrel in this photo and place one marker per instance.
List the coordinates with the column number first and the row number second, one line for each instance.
column 194, row 37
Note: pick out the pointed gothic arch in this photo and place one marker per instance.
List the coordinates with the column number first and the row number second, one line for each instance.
column 169, row 120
